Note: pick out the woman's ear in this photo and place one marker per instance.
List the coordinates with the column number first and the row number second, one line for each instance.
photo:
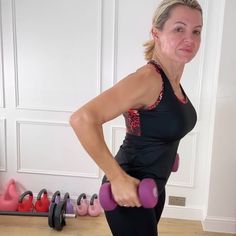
column 154, row 32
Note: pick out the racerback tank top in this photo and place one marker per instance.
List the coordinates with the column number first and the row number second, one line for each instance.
column 153, row 134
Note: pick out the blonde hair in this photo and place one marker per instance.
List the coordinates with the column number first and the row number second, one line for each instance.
column 161, row 15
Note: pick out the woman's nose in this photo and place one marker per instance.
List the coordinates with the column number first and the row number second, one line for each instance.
column 189, row 38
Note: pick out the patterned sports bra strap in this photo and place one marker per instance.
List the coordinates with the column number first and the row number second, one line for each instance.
column 156, row 65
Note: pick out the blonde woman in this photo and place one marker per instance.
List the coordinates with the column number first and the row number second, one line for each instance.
column 157, row 112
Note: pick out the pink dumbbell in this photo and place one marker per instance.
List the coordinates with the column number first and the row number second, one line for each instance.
column 175, row 167
column 147, row 193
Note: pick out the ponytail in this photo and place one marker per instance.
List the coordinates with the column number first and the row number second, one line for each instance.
column 149, row 49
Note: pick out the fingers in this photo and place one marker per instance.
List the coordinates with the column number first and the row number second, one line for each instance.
column 124, row 191
column 128, row 201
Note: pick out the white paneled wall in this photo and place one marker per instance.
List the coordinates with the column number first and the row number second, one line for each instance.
column 3, row 145
column 59, row 54
column 2, row 102
column 57, row 49
column 52, row 59
column 222, row 189
column 55, row 143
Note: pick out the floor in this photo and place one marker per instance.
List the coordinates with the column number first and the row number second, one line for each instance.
column 90, row 226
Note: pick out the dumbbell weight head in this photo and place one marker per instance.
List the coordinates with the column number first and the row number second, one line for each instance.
column 148, row 193
column 42, row 203
column 57, row 210
column 175, row 166
column 25, row 205
column 56, row 197
column 59, row 216
column 106, row 199
column 94, row 208
column 51, row 212
column 82, row 205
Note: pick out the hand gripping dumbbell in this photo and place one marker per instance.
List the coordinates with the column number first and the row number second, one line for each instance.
column 175, row 166
column 147, row 194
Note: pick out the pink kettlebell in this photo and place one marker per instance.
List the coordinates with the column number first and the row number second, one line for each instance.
column 94, row 208
column 147, row 193
column 9, row 199
column 82, row 205
column 175, row 167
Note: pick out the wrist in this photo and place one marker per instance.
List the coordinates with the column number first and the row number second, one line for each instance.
column 116, row 173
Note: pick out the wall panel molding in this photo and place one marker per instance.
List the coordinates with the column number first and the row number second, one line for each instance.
column 3, row 145
column 2, row 90
column 185, row 176
column 115, row 40
column 64, row 158
column 219, row 224
column 117, row 136
column 38, row 103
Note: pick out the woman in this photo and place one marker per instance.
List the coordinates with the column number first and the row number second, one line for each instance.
column 157, row 113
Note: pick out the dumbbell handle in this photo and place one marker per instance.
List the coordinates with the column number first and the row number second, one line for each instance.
column 36, row 214
column 147, row 193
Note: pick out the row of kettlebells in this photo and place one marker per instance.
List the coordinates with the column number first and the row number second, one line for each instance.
column 82, row 207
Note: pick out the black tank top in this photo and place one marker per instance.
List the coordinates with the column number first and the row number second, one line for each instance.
column 153, row 134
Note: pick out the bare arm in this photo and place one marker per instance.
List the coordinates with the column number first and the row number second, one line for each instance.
column 132, row 92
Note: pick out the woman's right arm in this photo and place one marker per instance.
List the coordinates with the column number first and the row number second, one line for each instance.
column 131, row 92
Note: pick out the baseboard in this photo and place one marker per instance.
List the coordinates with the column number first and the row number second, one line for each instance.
column 220, row 225
column 184, row 213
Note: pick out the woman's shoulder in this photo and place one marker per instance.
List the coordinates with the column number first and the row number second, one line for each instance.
column 145, row 84
column 147, row 74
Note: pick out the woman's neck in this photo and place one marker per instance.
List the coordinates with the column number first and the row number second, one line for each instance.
column 172, row 69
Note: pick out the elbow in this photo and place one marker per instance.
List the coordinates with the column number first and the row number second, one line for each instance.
column 81, row 120
column 77, row 123
column 76, row 119
column 84, row 120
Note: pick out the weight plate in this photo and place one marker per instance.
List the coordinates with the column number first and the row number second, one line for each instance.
column 59, row 216
column 51, row 215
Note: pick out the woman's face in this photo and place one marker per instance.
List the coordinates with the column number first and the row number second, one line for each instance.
column 180, row 38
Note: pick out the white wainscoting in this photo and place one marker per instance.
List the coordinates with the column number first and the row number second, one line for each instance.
column 2, row 97
column 185, row 176
column 57, row 48
column 3, row 145
column 51, row 148
column 220, row 224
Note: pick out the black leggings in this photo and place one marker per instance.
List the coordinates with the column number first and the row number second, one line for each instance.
column 124, row 221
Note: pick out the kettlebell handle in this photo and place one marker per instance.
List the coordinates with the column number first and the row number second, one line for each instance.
column 95, row 196
column 66, row 197
column 43, row 191
column 81, row 196
column 23, row 195
column 56, row 194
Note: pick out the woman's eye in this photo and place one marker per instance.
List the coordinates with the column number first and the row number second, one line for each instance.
column 179, row 29
column 197, row 32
